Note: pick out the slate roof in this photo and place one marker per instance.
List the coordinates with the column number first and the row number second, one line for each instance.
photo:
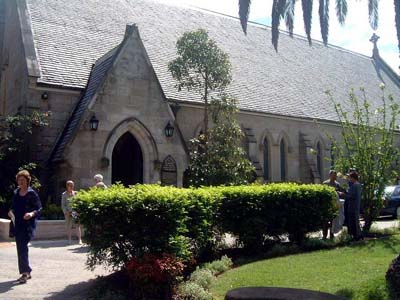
column 71, row 35
column 97, row 76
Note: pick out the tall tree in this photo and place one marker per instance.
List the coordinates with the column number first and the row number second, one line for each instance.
column 367, row 144
column 225, row 162
column 201, row 66
column 285, row 9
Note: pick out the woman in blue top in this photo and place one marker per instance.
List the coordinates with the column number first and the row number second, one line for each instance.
column 25, row 209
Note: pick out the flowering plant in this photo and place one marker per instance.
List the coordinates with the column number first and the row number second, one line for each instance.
column 153, row 268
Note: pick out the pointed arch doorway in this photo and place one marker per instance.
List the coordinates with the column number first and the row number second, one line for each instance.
column 127, row 161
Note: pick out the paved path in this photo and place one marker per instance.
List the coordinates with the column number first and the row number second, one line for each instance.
column 58, row 272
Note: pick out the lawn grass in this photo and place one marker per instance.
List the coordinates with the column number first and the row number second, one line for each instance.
column 356, row 271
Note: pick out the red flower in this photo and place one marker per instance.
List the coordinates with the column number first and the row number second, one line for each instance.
column 154, row 268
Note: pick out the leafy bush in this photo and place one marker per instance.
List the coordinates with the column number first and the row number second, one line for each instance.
column 393, row 278
column 155, row 269
column 219, row 266
column 197, row 287
column 192, row 291
column 52, row 212
column 203, row 277
column 253, row 212
column 122, row 223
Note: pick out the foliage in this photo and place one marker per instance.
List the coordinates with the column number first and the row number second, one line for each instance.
column 254, row 212
column 121, row 223
column 199, row 283
column 220, row 159
column 284, row 9
column 201, row 66
column 52, row 212
column 151, row 270
column 356, row 271
column 192, row 291
column 219, row 266
column 203, row 277
column 393, row 278
column 15, row 152
column 367, row 144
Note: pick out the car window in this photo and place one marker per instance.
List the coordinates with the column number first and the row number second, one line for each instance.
column 396, row 192
column 389, row 190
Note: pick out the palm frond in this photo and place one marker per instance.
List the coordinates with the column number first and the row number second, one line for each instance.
column 341, row 11
column 324, row 19
column 373, row 13
column 244, row 10
column 289, row 16
column 307, row 17
column 397, row 20
column 278, row 11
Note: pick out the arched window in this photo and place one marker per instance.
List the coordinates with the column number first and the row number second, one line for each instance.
column 332, row 157
column 266, row 160
column 283, row 160
column 319, row 159
column 168, row 171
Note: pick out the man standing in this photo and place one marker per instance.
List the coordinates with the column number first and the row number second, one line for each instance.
column 353, row 199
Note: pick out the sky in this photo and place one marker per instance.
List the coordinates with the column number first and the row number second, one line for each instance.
column 354, row 35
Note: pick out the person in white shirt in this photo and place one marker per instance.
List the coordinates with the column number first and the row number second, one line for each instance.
column 69, row 214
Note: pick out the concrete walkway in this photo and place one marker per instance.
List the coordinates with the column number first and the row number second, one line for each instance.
column 59, row 272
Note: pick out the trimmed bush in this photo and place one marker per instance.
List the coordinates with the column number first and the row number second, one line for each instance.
column 254, row 212
column 122, row 223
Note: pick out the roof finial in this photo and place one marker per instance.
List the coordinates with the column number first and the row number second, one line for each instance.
column 374, row 39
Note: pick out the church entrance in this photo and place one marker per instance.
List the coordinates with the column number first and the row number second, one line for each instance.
column 127, row 161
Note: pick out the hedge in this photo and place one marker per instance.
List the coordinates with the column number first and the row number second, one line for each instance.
column 254, row 212
column 124, row 222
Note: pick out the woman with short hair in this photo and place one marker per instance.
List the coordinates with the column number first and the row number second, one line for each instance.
column 69, row 214
column 25, row 209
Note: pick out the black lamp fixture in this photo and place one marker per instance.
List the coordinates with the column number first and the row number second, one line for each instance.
column 45, row 95
column 94, row 123
column 169, row 130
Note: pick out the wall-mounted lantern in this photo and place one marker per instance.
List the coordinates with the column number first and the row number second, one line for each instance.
column 94, row 123
column 169, row 130
column 45, row 95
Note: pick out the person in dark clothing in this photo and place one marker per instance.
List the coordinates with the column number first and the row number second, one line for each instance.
column 353, row 199
column 25, row 209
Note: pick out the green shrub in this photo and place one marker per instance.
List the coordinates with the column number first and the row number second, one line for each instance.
column 192, row 291
column 393, row 278
column 203, row 277
column 219, row 266
column 52, row 212
column 254, row 212
column 123, row 222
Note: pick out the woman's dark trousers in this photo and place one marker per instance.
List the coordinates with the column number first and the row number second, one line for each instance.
column 22, row 240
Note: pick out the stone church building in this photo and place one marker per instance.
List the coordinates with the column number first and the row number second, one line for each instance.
column 106, row 61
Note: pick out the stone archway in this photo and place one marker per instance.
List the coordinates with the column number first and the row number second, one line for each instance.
column 145, row 141
column 127, row 161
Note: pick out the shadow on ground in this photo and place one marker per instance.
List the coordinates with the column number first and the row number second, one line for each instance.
column 78, row 291
column 7, row 285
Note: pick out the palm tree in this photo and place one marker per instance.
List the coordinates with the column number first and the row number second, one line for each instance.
column 284, row 9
